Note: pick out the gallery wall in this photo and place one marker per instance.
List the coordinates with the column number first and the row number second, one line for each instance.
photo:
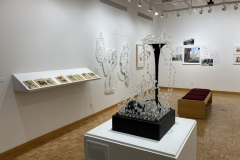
column 58, row 34
column 218, row 28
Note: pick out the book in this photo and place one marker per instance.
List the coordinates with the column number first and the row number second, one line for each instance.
column 61, row 79
column 72, row 78
column 85, row 75
column 79, row 77
column 41, row 82
column 50, row 82
column 30, row 84
column 93, row 75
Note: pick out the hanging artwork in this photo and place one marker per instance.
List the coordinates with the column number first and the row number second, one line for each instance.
column 215, row 52
column 192, row 55
column 207, row 62
column 206, row 52
column 148, row 54
column 236, row 49
column 177, row 56
column 140, row 55
column 100, row 48
column 188, row 41
column 236, row 59
column 123, row 72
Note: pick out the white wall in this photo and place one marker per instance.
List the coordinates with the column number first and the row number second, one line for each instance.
column 215, row 29
column 41, row 35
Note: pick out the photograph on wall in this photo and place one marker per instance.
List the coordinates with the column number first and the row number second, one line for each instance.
column 72, row 78
column 215, row 52
column 41, row 82
column 79, row 77
column 93, row 75
column 85, row 75
column 30, row 84
column 207, row 62
column 177, row 56
column 140, row 55
column 192, row 55
column 61, row 79
column 236, row 59
column 236, row 49
column 50, row 82
column 188, row 41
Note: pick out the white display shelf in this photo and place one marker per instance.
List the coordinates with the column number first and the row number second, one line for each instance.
column 18, row 79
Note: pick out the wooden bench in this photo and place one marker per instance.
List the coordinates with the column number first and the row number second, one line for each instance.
column 194, row 102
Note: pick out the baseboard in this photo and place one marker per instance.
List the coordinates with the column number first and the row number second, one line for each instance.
column 213, row 91
column 50, row 134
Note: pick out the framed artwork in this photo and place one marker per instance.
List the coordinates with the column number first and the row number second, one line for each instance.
column 236, row 49
column 188, row 41
column 178, row 54
column 93, row 75
column 207, row 62
column 140, row 55
column 192, row 55
column 61, row 79
column 72, row 78
column 50, row 82
column 80, row 78
column 30, row 84
column 236, row 59
column 41, row 82
column 85, row 75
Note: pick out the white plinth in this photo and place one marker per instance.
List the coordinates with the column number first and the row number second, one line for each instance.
column 105, row 144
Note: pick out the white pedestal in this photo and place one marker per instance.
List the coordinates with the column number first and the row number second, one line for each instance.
column 102, row 143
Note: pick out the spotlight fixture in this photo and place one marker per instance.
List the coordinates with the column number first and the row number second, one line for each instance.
column 140, row 3
column 156, row 13
column 210, row 10
column 162, row 15
column 194, row 9
column 129, row 0
column 201, row 11
column 150, row 8
column 167, row 16
column 236, row 6
column 178, row 14
column 224, row 8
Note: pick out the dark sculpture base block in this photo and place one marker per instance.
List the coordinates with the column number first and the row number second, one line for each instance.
column 142, row 128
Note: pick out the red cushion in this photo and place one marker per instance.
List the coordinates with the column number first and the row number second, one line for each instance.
column 194, row 97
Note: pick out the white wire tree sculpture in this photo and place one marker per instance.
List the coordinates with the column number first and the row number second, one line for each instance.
column 151, row 104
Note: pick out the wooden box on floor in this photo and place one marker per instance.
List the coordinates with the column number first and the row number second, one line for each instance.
column 193, row 108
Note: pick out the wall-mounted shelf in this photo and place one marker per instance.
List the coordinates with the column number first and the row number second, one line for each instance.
column 18, row 79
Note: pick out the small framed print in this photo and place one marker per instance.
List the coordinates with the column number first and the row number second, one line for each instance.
column 72, row 78
column 236, row 59
column 30, row 84
column 61, row 79
column 140, row 55
column 80, row 78
column 85, row 75
column 236, row 49
column 50, row 82
column 41, row 82
column 93, row 75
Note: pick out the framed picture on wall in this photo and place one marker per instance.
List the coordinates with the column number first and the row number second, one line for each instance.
column 236, row 59
column 192, row 55
column 140, row 55
column 188, row 41
column 236, row 49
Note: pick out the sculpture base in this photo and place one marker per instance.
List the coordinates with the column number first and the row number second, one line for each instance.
column 143, row 128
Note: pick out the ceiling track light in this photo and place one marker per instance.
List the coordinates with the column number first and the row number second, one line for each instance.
column 195, row 11
column 150, row 8
column 129, row 0
column 167, row 16
column 162, row 15
column 156, row 13
column 210, row 10
column 178, row 14
column 201, row 11
column 236, row 6
column 140, row 3
column 224, row 8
